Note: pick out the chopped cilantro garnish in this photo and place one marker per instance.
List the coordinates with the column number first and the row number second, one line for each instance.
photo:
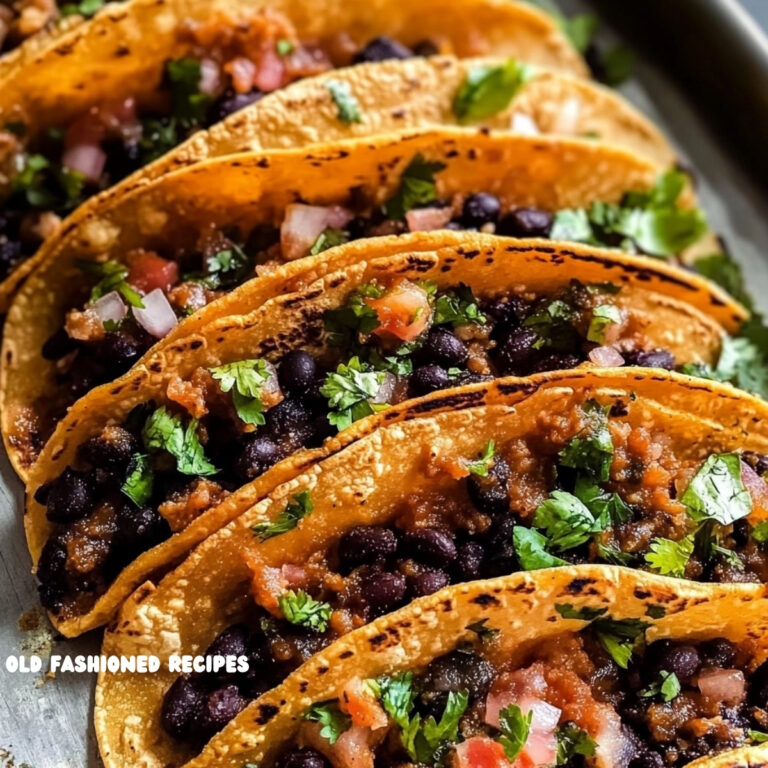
column 166, row 432
column 300, row 609
column 487, row 90
column 333, row 721
column 284, row 47
column 328, row 238
column 610, row 508
column 288, row 519
column 245, row 379
column 355, row 317
column 727, row 273
column 83, row 8
column 46, row 185
column 552, row 323
column 615, row 556
column 347, row 106
column 602, row 316
column 417, row 187
column 112, row 276
column 188, row 103
column 615, row 65
column 566, row 521
column 350, row 390
column 458, row 307
column 514, row 727
column 716, row 492
column 573, row 741
column 619, row 637
column 760, row 532
column 139, row 480
column 669, row 557
column 531, row 550
column 667, row 686
column 482, row 630
column 482, row 466
column 568, row 611
column 158, row 137
column 591, row 451
column 757, row 736
column 227, row 268
column 656, row 611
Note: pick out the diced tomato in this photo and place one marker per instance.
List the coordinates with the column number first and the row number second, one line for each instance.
column 358, row 702
column 188, row 396
column 270, row 72
column 267, row 583
column 149, row 271
column 353, row 749
column 242, row 71
column 481, row 752
column 403, row 311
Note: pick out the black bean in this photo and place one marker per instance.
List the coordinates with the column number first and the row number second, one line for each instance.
column 647, row 759
column 680, row 659
column 290, row 423
column 123, row 158
column 557, row 361
column 500, row 553
column 508, row 311
column 656, row 358
column 526, row 222
column 757, row 694
column 11, row 253
column 110, row 450
column 428, row 582
column 256, row 457
column 459, row 671
column 717, row 652
column 70, row 497
column 302, row 757
column 120, row 350
column 443, row 348
column 479, row 209
column 297, row 371
column 490, row 493
column 429, row 378
column 430, row 546
column 230, row 102
column 516, row 352
column 138, row 528
column 58, row 345
column 233, row 641
column 223, row 705
column 183, row 706
column 51, row 572
column 426, row 48
column 469, row 561
column 382, row 591
column 382, row 49
column 758, row 461
column 366, row 544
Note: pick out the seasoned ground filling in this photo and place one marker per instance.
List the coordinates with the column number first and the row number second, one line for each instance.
column 232, row 423
column 230, row 63
column 588, row 487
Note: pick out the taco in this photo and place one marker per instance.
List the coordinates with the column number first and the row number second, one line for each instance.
column 584, row 666
column 185, row 242
column 138, row 79
column 143, row 468
column 394, row 95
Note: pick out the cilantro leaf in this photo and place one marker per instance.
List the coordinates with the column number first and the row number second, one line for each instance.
column 666, row 685
column 458, row 307
column 669, row 557
column 288, row 519
column 47, row 185
column 227, row 268
column 355, row 317
column 164, row 431
column 246, row 380
column 619, row 637
column 482, row 466
column 607, row 507
column 615, row 556
column 284, row 47
column 347, row 106
column 417, row 187
column 760, row 532
column 482, row 630
column 716, row 492
column 112, row 277
column 552, row 323
column 568, row 611
column 396, row 695
column 350, row 391
column 334, row 722
column 615, row 65
column 515, row 728
column 189, row 104
column 302, row 610
column 602, row 316
column 758, row 736
column 531, row 550
column 488, row 90
column 139, row 481
column 656, row 611
column 158, row 137
column 328, row 238
column 566, row 521
column 573, row 741
column 591, row 451
column 742, row 363
column 85, row 8
column 722, row 269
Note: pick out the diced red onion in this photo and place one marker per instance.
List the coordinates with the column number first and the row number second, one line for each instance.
column 727, row 685
column 271, row 394
column 758, row 490
column 270, row 71
column 88, row 159
column 387, row 389
column 157, row 318
column 606, row 357
column 210, row 76
column 567, row 121
column 293, row 575
column 303, row 224
column 524, row 124
column 110, row 308
column 427, row 219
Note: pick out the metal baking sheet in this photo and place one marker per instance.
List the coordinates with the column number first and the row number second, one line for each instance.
column 47, row 723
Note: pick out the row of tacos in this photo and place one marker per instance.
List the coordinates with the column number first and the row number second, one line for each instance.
column 375, row 362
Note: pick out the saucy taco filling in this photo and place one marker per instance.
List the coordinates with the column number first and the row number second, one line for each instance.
column 129, row 305
column 140, row 480
column 599, row 697
column 231, row 63
column 591, row 486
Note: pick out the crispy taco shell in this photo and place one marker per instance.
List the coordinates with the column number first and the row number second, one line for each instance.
column 122, row 52
column 484, row 263
column 521, row 606
column 247, row 190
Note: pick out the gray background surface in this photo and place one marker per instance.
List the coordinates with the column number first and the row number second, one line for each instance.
column 47, row 724
column 758, row 9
